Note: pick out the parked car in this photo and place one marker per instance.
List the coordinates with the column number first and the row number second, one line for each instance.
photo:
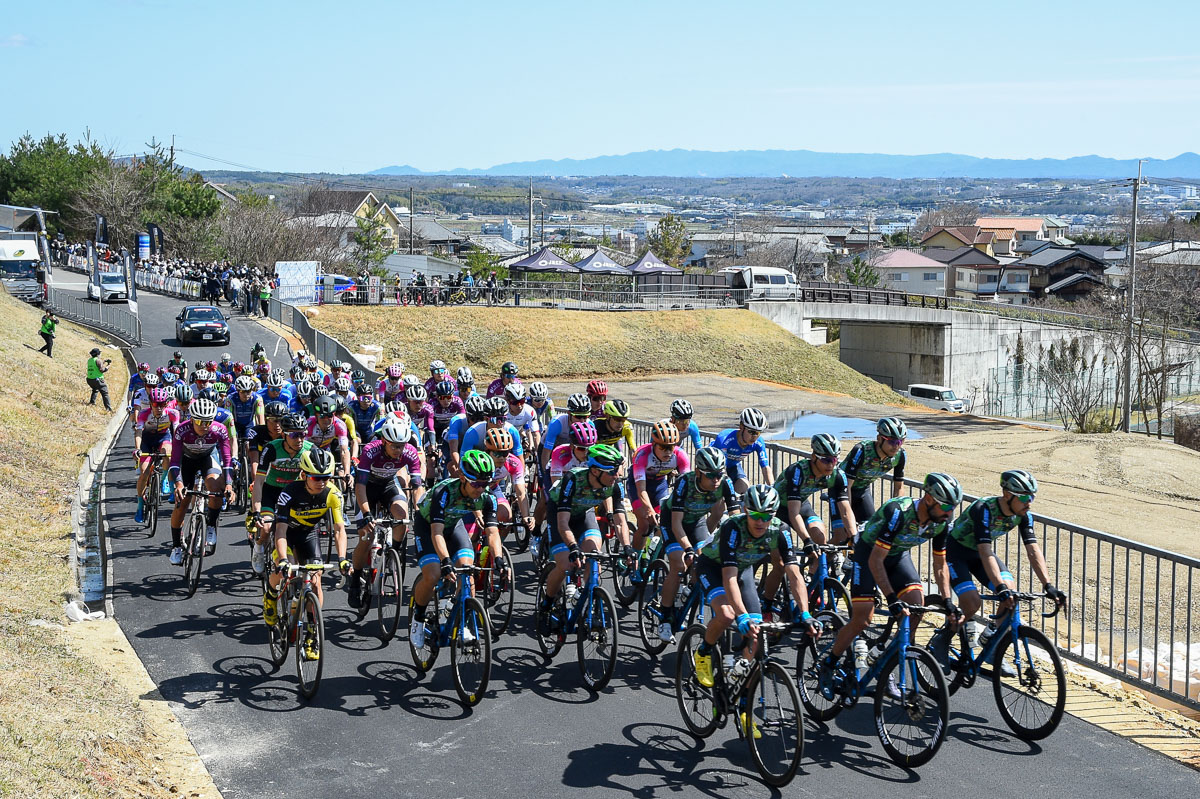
column 760, row 282
column 112, row 284
column 940, row 397
column 201, row 324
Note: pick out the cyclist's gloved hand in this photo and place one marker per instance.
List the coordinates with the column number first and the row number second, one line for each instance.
column 811, row 625
column 574, row 555
column 743, row 623
column 895, row 606
column 952, row 610
column 1004, row 594
column 447, row 567
column 234, row 463
column 344, row 565
column 1059, row 597
column 810, row 549
column 364, row 521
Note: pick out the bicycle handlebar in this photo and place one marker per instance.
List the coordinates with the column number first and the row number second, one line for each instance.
column 1025, row 596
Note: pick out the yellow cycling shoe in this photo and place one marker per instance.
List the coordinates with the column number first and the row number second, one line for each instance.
column 270, row 609
column 704, row 672
column 311, row 653
column 748, row 725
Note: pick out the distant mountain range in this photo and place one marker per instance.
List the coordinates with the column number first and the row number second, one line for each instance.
column 807, row 163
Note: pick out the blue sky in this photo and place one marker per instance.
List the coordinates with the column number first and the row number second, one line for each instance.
column 350, row 87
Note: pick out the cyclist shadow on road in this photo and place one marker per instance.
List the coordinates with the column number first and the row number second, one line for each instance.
column 977, row 731
column 851, row 743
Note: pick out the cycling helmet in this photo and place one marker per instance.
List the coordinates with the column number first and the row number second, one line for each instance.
column 304, row 389
column 416, row 394
column 150, row 380
column 316, row 461
column 825, row 445
column 301, row 354
column 578, row 405
column 342, row 384
column 616, row 409
column 514, row 393
column 436, row 367
column 465, row 376
column 396, row 406
column 477, row 465
column 202, row 376
column 538, row 391
column 294, row 422
column 476, row 406
column 160, row 395
column 583, row 434
column 275, row 410
column 282, row 375
column 310, row 362
column 177, row 355
column 198, row 365
column 273, row 381
column 159, row 371
column 320, row 390
column 248, row 369
column 296, row 372
column 444, row 388
column 339, row 403
column 335, row 365
column 597, row 388
column 183, row 393
column 264, row 368
column 226, row 357
column 943, row 488
column 1019, row 481
column 509, row 369
column 325, row 406
column 753, row 419
column 395, row 371
column 710, row 460
column 762, row 499
column 892, row 427
column 395, row 430
column 174, row 370
column 412, row 380
column 496, row 406
column 204, row 409
column 143, row 367
column 681, row 409
column 169, row 378
column 498, row 440
column 358, row 376
column 604, row 457
column 237, row 367
column 212, row 366
column 664, row 433
column 244, row 383
column 220, row 388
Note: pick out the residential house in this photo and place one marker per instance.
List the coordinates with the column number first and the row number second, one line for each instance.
column 1064, row 272
column 860, row 240
column 951, row 238
column 972, row 274
column 437, row 237
column 326, row 208
column 1012, row 229
column 906, row 270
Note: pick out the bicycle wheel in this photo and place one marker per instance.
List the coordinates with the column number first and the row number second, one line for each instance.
column 835, row 597
column 809, row 655
column 548, row 626
column 391, row 596
column 773, row 708
column 152, row 498
column 649, row 608
column 501, row 597
column 520, row 534
column 1031, row 702
column 471, row 652
column 911, row 722
column 697, row 704
column 193, row 553
column 625, row 584
column 310, row 644
column 277, row 634
column 426, row 656
column 597, row 640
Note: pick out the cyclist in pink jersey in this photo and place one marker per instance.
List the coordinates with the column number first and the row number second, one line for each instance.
column 508, row 374
column 153, row 430
column 653, row 465
column 327, row 431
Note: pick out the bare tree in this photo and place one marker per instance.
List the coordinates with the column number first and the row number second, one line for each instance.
column 1076, row 383
column 948, row 215
column 115, row 192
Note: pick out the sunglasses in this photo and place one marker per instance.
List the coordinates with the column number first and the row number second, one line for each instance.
column 710, row 475
column 478, row 483
column 828, row 461
column 895, row 442
column 292, row 434
column 1026, row 498
column 320, row 478
column 945, row 507
column 760, row 515
column 325, row 415
column 496, row 419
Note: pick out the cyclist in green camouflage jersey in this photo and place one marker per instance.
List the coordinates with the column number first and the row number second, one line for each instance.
column 278, row 466
column 798, row 482
column 867, row 462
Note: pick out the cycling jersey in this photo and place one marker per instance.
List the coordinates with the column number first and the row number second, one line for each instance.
column 279, row 467
column 348, row 420
column 687, row 498
column 733, row 545
column 575, row 494
column 797, row 482
column 562, row 459
column 545, row 414
column 195, row 447
column 388, row 389
column 865, row 464
column 647, row 465
column 511, row 468
column 443, row 415
column 983, row 523
column 376, row 466
column 692, row 433
column 258, row 437
column 624, row 434
column 558, row 432
column 727, row 442
column 296, row 507
column 446, row 504
column 473, row 438
column 156, row 425
column 423, row 418
column 244, row 413
column 333, row 434
column 416, row 433
column 496, row 387
column 365, row 415
column 454, row 430
column 524, row 420
column 431, row 386
column 896, row 529
column 286, row 395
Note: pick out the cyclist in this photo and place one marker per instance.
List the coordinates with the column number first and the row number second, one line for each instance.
column 867, row 462
column 613, row 427
column 522, row 417
column 446, row 406
column 245, row 405
column 558, row 432
column 571, row 513
column 508, row 374
column 465, row 383
column 301, row 506
column 725, row 574
column 597, row 394
column 654, row 464
column 738, row 442
column 366, row 411
column 573, row 454
column 201, row 447
column 342, row 411
column 136, row 383
column 440, row 525
column 386, row 469
column 498, row 443
column 818, row 472
column 416, row 399
column 681, row 417
column 278, row 466
column 344, row 389
column 178, row 362
column 437, row 373
column 277, row 389
column 261, row 435
column 141, row 398
column 391, row 385
column 474, row 411
column 881, row 558
column 328, row 432
column 693, row 508
column 153, row 431
column 970, row 552
column 539, row 400
column 497, row 418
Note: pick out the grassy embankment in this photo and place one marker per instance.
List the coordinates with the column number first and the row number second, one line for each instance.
column 65, row 728
column 551, row 344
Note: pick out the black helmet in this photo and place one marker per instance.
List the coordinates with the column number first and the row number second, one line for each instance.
column 275, row 410
column 294, row 422
column 509, row 369
column 496, row 406
column 325, row 406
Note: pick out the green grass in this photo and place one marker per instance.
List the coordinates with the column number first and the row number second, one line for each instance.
column 549, row 344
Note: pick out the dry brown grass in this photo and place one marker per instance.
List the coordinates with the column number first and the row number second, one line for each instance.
column 551, row 344
column 65, row 728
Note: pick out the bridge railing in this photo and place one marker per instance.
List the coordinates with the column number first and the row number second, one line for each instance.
column 1132, row 611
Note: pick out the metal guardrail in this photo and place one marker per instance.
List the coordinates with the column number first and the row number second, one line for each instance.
column 1133, row 607
column 324, row 347
column 171, row 286
column 105, row 316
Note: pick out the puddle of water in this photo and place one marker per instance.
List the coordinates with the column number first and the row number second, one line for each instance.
column 807, row 423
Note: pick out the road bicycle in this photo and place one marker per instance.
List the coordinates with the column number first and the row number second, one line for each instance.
column 1028, row 681
column 153, row 497
column 241, row 478
column 629, row 579
column 300, row 622
column 759, row 693
column 493, row 585
column 194, row 526
column 912, row 704
column 825, row 592
column 581, row 606
column 690, row 606
column 460, row 622
column 383, row 578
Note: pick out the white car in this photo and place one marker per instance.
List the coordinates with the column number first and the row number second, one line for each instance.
column 940, row 397
column 113, row 286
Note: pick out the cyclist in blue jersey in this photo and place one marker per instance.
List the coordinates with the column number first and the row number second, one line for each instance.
column 245, row 405
column 558, row 432
column 497, row 416
column 366, row 411
column 681, row 417
column 476, row 411
column 277, row 389
column 738, row 442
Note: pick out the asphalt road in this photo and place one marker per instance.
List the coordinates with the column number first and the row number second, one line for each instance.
column 374, row 729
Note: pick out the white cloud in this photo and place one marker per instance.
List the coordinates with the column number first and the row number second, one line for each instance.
column 14, row 40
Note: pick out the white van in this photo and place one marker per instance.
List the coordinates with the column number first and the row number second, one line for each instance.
column 940, row 397
column 760, row 282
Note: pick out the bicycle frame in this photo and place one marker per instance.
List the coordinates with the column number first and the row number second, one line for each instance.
column 462, row 593
column 582, row 611
column 900, row 644
column 1010, row 620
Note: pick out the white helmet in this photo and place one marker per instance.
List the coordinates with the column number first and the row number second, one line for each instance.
column 244, row 383
column 753, row 419
column 395, row 430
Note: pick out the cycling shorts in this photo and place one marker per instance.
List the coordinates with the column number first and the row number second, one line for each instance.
column 807, row 512
column 190, row 467
column 657, row 488
column 901, row 573
column 152, row 442
column 863, row 505
column 734, row 470
column 965, row 564
column 382, row 493
column 584, row 526
column 303, row 545
column 697, row 534
column 708, row 576
column 458, row 541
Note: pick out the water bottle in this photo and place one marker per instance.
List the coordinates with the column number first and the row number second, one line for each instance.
column 973, row 629
column 444, row 610
column 483, row 554
column 685, row 591
column 874, row 654
column 738, row 671
column 986, row 635
column 570, row 592
column 728, row 661
column 860, row 654
column 652, row 544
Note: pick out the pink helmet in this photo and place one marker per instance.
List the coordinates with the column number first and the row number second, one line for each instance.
column 160, row 395
column 583, row 434
column 395, row 371
column 143, row 367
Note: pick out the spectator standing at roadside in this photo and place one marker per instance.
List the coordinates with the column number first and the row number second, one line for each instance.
column 95, row 377
column 490, row 284
column 49, row 323
column 264, row 297
column 235, row 288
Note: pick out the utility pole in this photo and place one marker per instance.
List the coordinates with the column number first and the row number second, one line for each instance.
column 172, row 148
column 1130, row 284
column 543, row 228
column 411, row 203
column 529, row 238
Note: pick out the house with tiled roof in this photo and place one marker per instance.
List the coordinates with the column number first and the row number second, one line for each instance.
column 339, row 208
column 907, row 270
column 972, row 274
column 1052, row 266
column 952, row 237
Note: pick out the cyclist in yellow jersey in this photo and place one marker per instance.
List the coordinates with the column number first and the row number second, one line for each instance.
column 613, row 427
